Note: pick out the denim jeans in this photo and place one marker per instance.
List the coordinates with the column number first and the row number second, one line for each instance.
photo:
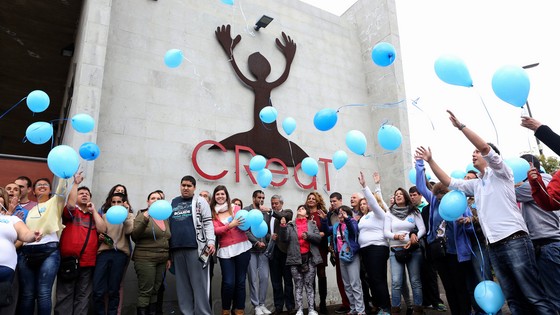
column 548, row 262
column 38, row 283
column 397, row 275
column 516, row 269
column 107, row 275
column 6, row 274
column 234, row 275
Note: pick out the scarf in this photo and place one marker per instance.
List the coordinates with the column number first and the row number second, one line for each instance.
column 221, row 208
column 400, row 212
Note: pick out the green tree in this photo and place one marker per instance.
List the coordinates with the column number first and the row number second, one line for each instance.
column 550, row 164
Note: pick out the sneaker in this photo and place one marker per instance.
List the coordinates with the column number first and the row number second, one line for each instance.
column 258, row 310
column 299, row 312
column 265, row 310
column 440, row 307
column 342, row 310
column 313, row 312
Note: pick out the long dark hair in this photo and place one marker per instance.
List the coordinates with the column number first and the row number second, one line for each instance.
column 107, row 204
column 213, row 202
column 408, row 202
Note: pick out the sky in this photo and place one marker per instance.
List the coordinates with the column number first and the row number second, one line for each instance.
column 486, row 35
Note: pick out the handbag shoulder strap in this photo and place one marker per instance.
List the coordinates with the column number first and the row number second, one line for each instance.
column 87, row 237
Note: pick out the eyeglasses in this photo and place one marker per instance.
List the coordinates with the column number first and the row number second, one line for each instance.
column 42, row 185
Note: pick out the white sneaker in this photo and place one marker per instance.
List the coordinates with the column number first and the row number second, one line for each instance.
column 299, row 312
column 258, row 310
column 265, row 310
column 313, row 312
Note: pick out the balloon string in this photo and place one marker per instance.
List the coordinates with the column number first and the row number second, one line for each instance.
column 383, row 105
column 248, row 28
column 491, row 120
column 415, row 104
column 200, row 80
column 14, row 106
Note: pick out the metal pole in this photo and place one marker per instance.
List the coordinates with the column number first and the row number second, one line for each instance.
column 539, row 145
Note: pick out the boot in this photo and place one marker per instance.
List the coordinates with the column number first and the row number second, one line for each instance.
column 239, row 312
column 323, row 295
column 142, row 310
column 226, row 312
column 323, row 308
column 395, row 310
column 418, row 310
column 152, row 309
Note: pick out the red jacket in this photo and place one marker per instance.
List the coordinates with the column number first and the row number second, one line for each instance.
column 227, row 236
column 546, row 196
column 74, row 235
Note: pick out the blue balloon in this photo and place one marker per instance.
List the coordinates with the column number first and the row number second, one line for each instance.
column 412, row 176
column 520, row 167
column 160, row 209
column 39, row 132
column 459, row 174
column 89, row 151
column 260, row 230
column 471, row 167
column 489, row 296
column 228, row 2
column 264, row 177
column 339, row 159
column 511, row 84
column 383, row 54
column 325, row 119
column 268, row 114
column 116, row 214
column 38, row 101
column 356, row 142
column 257, row 163
column 63, row 161
column 310, row 166
column 173, row 58
column 242, row 216
column 452, row 205
column 453, row 70
column 83, row 123
column 289, row 125
column 390, row 137
column 255, row 217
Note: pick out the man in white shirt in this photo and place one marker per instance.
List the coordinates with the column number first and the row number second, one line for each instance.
column 510, row 248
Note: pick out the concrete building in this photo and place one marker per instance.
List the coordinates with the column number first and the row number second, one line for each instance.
column 150, row 118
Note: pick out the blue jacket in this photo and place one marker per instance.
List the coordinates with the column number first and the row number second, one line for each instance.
column 458, row 242
column 351, row 231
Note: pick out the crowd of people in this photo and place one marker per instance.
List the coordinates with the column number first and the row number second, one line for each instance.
column 509, row 232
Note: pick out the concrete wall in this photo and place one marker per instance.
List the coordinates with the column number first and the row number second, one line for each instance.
column 150, row 117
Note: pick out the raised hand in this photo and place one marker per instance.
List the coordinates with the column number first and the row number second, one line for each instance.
column 362, row 180
column 78, row 177
column 533, row 173
column 224, row 37
column 288, row 49
column 456, row 123
column 376, row 177
column 423, row 154
column 530, row 123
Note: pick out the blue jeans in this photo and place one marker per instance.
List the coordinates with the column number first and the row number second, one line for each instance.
column 37, row 283
column 516, row 269
column 234, row 275
column 397, row 275
column 548, row 262
column 107, row 276
column 6, row 274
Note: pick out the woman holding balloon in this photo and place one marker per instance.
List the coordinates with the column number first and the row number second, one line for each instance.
column 151, row 254
column 39, row 262
column 234, row 250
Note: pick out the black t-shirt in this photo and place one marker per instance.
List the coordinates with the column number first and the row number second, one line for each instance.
column 183, row 234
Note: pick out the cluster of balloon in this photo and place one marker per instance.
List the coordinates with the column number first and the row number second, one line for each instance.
column 489, row 296
column 257, row 163
column 325, row 119
column 160, row 209
column 452, row 70
column 310, row 166
column 412, row 176
column 452, row 205
column 289, row 125
column 39, row 132
column 356, row 142
column 383, row 54
column 264, row 175
column 520, row 167
column 390, row 137
column 116, row 214
column 173, row 58
column 63, row 161
column 268, row 114
column 459, row 174
column 339, row 159
column 254, row 220
column 511, row 84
